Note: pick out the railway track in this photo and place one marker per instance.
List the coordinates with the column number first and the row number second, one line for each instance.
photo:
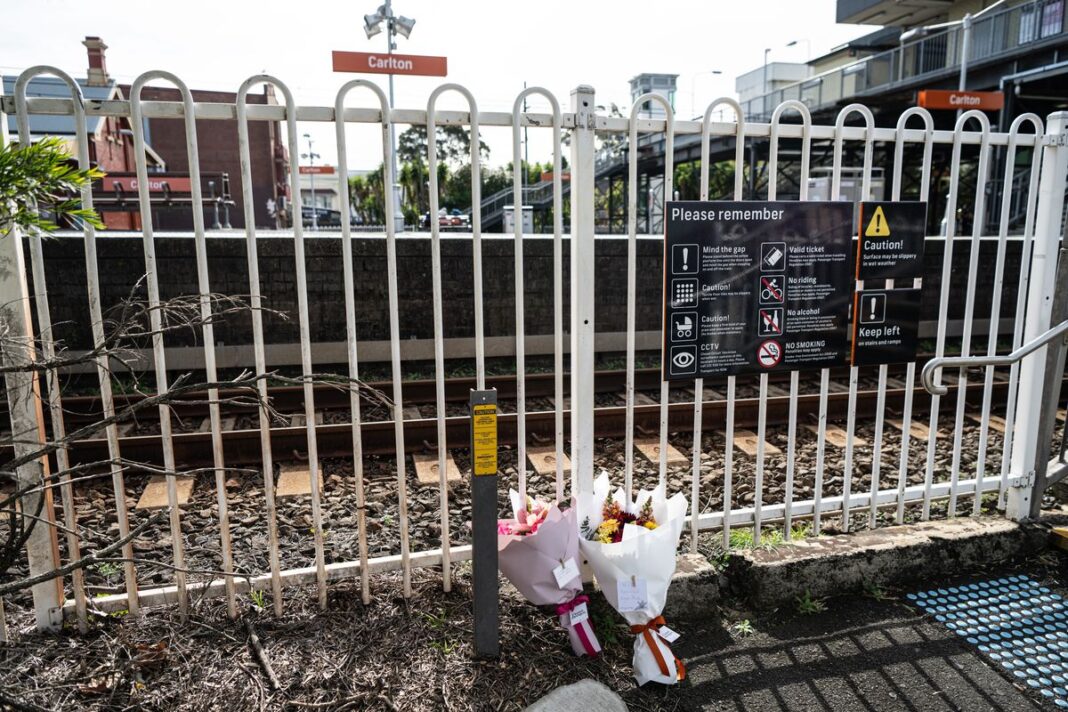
column 82, row 410
column 242, row 444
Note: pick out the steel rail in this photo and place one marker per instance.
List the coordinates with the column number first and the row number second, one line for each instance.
column 289, row 442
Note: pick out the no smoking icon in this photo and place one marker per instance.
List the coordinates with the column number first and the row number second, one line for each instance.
column 769, row 354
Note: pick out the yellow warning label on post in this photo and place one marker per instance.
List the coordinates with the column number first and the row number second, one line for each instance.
column 484, row 439
column 878, row 227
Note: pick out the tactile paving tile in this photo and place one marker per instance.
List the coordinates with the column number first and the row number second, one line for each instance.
column 1015, row 621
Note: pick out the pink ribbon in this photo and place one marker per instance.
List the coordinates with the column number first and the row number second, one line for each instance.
column 585, row 633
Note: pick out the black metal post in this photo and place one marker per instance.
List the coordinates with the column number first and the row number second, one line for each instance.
column 484, row 522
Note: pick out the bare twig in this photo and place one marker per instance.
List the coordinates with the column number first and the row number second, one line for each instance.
column 88, row 560
column 261, row 656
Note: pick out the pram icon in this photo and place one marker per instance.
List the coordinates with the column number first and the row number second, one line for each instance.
column 684, row 328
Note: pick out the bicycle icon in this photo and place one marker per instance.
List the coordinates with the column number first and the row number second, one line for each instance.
column 772, row 289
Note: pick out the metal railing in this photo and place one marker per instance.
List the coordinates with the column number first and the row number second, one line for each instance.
column 933, row 368
column 749, row 493
column 998, row 34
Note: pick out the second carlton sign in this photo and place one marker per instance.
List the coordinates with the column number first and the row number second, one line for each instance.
column 756, row 287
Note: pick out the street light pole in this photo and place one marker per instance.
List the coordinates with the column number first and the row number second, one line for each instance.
column 395, row 24
column 398, row 212
column 693, row 89
column 311, row 156
column 764, row 88
column 965, row 42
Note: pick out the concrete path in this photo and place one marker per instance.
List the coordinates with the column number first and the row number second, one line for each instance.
column 859, row 654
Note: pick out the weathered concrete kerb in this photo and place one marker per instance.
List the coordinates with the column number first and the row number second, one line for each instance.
column 894, row 556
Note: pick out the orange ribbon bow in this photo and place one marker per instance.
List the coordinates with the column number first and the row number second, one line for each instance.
column 648, row 631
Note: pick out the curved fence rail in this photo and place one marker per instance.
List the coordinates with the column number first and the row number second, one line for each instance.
column 837, row 477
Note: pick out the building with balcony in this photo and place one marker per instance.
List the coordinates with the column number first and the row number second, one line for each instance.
column 1018, row 47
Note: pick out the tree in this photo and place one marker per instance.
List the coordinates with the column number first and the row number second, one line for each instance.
column 720, row 180
column 39, row 187
column 366, row 197
column 453, row 145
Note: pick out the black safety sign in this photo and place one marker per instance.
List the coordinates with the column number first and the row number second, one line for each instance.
column 756, row 287
column 890, row 240
column 886, row 326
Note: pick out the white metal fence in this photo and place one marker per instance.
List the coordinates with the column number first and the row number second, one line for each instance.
column 886, row 490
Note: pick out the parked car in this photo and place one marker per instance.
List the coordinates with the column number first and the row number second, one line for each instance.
column 453, row 218
column 324, row 216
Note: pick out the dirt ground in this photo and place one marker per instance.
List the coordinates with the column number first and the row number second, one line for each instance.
column 857, row 652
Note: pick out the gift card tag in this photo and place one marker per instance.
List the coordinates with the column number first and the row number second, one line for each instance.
column 565, row 572
column 631, row 594
column 668, row 634
column 579, row 614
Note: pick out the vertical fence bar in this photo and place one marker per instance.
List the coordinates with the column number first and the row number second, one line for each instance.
column 1050, row 213
column 728, row 460
column 699, row 383
column 394, row 349
column 943, row 301
column 208, row 334
column 865, row 191
column 632, row 263
column 978, row 220
column 156, row 324
column 476, row 236
column 95, row 314
column 995, row 302
column 558, row 301
column 305, row 343
column 439, row 353
column 583, row 331
column 910, row 369
column 518, row 170
column 256, row 304
column 773, row 188
column 439, row 326
column 1018, row 323
column 55, row 406
column 791, row 433
column 350, row 310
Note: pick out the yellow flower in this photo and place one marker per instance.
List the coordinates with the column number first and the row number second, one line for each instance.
column 650, row 525
column 606, row 529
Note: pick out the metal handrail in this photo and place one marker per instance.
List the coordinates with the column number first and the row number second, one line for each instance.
column 927, row 376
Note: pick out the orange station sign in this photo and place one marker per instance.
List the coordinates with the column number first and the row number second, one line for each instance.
column 948, row 99
column 317, row 170
column 384, row 63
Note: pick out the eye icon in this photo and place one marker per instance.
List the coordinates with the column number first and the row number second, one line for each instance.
column 683, row 359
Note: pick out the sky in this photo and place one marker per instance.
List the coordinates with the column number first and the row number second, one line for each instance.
column 492, row 46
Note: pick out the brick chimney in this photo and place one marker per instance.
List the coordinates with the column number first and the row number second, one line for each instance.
column 97, row 75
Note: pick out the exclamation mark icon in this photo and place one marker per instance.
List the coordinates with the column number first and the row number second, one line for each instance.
column 685, row 259
column 872, row 302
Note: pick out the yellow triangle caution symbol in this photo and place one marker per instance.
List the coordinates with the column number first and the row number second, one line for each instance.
column 878, row 227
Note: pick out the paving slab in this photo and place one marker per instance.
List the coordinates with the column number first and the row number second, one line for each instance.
column 859, row 654
column 584, row 696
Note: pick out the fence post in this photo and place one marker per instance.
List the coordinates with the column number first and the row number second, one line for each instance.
column 1022, row 472
column 1054, row 364
column 24, row 404
column 582, row 288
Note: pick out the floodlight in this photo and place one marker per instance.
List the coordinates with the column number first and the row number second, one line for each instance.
column 372, row 24
column 403, row 25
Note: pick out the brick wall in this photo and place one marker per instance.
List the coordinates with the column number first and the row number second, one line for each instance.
column 121, row 263
column 217, row 141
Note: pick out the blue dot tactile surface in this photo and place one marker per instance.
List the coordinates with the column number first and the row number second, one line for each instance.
column 1015, row 622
